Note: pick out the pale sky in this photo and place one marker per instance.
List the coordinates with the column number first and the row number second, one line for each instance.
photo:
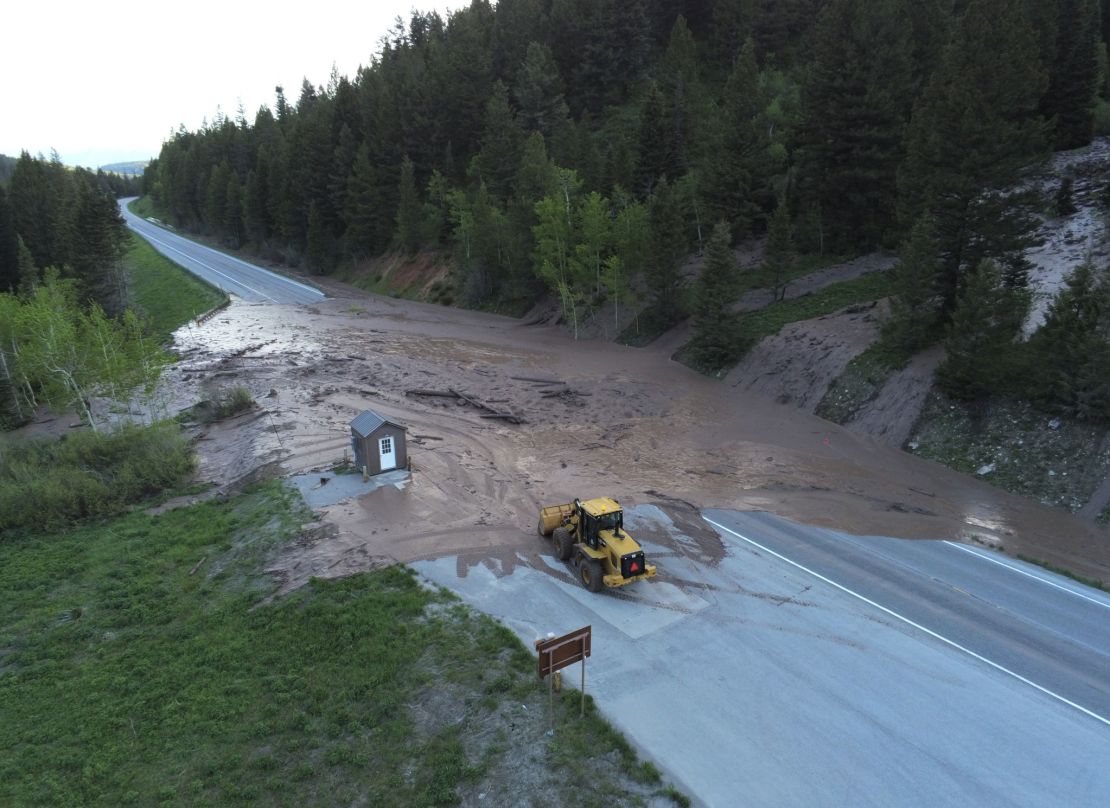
column 104, row 82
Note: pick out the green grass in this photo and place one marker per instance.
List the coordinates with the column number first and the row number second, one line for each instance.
column 761, row 278
column 164, row 294
column 139, row 666
column 755, row 325
column 143, row 206
column 861, row 381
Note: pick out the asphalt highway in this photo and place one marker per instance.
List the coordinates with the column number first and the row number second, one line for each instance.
column 1052, row 633
column 806, row 667
column 236, row 277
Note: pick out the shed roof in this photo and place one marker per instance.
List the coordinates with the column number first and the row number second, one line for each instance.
column 367, row 421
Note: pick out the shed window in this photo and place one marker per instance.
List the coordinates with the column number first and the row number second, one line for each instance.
column 387, row 445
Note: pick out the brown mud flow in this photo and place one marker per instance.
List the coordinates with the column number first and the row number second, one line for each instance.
column 601, row 419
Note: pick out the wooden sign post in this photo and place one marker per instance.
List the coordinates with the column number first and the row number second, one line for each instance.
column 559, row 652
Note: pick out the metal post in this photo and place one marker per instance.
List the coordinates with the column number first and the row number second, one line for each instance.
column 582, row 710
column 551, row 701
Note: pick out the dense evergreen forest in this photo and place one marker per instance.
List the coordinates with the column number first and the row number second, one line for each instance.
column 66, row 219
column 587, row 147
column 65, row 332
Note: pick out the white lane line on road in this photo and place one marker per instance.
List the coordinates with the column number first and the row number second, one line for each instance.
column 1019, row 571
column 149, row 237
column 918, row 626
column 246, row 264
column 275, row 275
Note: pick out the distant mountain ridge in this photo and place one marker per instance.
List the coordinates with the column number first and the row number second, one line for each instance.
column 131, row 168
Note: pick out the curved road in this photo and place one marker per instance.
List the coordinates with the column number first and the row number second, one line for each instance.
column 810, row 668
column 236, row 277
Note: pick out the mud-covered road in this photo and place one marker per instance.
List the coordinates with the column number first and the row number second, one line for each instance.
column 622, row 421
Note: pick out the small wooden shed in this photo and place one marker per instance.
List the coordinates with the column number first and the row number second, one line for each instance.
column 378, row 445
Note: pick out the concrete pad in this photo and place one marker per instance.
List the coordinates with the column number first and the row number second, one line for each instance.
column 753, row 683
column 340, row 487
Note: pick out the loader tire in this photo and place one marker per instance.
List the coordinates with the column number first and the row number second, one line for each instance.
column 564, row 545
column 590, row 570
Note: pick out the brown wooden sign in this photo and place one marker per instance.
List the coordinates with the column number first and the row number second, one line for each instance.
column 559, row 652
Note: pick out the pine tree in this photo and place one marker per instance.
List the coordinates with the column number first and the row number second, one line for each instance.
column 729, row 179
column 96, row 236
column 318, row 242
column 932, row 22
column 916, row 310
column 233, row 211
column 410, row 219
column 1063, row 201
column 460, row 67
column 36, row 192
column 668, row 250
column 654, row 161
column 502, row 138
column 778, row 256
column 981, row 346
column 974, row 132
column 517, row 24
column 436, row 209
column 714, row 340
column 9, row 252
column 255, row 217
column 616, row 43
column 731, row 22
column 1071, row 348
column 857, row 104
column 28, row 272
column 1070, row 99
column 679, row 83
column 539, row 92
column 215, row 209
column 359, row 207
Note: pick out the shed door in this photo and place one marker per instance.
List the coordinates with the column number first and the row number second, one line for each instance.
column 388, row 453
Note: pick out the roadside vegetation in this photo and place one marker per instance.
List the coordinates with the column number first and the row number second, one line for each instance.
column 51, row 482
column 142, row 662
column 163, row 294
column 54, row 351
column 143, row 206
column 226, row 402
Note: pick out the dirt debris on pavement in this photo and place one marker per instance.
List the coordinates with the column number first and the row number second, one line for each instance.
column 630, row 424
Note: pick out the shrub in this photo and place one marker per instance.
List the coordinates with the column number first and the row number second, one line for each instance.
column 47, row 482
column 234, row 401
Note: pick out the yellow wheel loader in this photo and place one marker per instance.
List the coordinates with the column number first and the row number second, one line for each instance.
column 591, row 535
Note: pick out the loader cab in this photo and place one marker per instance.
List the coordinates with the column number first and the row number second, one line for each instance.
column 597, row 515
